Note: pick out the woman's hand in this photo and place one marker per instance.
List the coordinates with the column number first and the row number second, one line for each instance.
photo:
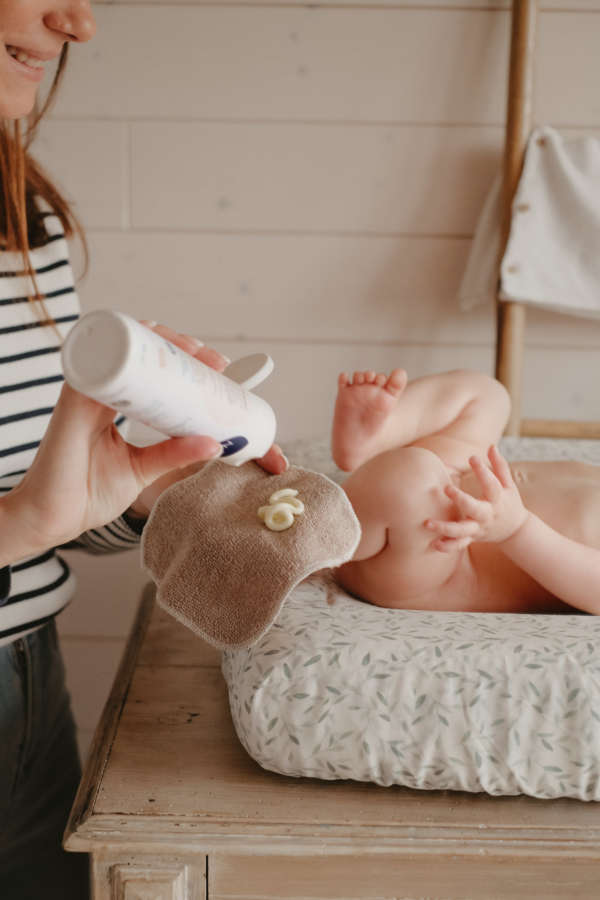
column 85, row 474
column 273, row 461
column 495, row 517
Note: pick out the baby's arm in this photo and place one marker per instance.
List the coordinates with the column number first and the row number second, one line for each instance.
column 569, row 570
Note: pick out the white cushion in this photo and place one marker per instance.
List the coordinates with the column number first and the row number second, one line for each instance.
column 506, row 704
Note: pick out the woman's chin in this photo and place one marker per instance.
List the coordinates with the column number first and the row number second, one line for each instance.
column 16, row 104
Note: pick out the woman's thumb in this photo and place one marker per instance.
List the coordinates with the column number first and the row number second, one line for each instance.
column 158, row 459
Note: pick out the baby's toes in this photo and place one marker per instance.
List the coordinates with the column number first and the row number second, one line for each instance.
column 380, row 379
column 359, row 378
column 396, row 382
column 343, row 379
column 369, row 376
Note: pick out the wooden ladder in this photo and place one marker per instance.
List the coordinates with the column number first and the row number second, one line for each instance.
column 511, row 316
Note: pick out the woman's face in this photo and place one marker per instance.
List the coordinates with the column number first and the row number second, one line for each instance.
column 32, row 32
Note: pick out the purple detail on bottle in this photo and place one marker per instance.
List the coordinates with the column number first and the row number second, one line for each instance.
column 232, row 445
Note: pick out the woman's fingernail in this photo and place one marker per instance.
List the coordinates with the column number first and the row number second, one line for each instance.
column 226, row 359
column 196, row 341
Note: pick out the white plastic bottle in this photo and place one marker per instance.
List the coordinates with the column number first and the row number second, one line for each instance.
column 114, row 359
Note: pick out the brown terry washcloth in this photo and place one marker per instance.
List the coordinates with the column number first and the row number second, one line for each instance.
column 217, row 566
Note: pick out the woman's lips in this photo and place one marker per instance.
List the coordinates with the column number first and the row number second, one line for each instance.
column 30, row 66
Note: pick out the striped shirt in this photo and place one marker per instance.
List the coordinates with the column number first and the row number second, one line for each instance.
column 34, row 589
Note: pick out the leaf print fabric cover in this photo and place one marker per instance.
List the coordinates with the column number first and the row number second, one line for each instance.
column 507, row 704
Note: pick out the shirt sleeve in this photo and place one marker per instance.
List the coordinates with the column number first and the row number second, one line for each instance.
column 117, row 535
column 121, row 534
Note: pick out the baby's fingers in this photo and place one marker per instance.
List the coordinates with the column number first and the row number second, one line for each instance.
column 452, row 536
column 451, row 545
column 490, row 485
column 468, row 506
column 464, row 528
column 500, row 467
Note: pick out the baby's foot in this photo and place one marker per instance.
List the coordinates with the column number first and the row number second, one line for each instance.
column 362, row 409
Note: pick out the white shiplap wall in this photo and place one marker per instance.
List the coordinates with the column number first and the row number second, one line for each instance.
column 303, row 180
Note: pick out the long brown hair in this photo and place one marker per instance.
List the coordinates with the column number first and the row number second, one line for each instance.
column 22, row 179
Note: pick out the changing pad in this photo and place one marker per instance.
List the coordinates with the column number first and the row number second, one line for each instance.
column 340, row 689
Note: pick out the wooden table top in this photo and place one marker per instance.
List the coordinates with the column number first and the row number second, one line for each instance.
column 167, row 769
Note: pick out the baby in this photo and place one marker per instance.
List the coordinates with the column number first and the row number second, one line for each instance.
column 446, row 522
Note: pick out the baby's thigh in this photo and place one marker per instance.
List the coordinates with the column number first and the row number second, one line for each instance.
column 415, row 491
column 393, row 497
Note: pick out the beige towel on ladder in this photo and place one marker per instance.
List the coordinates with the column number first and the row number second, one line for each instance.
column 552, row 258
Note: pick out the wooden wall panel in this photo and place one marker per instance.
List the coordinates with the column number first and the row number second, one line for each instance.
column 304, row 64
column 320, row 178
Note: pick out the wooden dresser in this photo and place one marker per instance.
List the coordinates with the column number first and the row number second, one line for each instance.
column 171, row 807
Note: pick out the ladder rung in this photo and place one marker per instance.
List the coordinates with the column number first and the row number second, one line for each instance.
column 560, row 428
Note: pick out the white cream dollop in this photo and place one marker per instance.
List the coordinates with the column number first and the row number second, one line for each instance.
column 281, row 509
column 283, row 494
column 279, row 516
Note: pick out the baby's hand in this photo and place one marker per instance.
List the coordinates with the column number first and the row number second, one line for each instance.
column 493, row 518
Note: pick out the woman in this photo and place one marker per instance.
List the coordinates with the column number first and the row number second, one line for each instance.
column 65, row 471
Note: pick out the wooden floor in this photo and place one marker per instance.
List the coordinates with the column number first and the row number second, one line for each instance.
column 171, row 806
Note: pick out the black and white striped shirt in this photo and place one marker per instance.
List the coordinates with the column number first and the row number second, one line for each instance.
column 35, row 589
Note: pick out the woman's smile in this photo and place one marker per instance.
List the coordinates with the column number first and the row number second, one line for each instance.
column 26, row 63
column 33, row 33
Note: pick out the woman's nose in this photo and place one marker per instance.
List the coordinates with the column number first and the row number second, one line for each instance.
column 74, row 19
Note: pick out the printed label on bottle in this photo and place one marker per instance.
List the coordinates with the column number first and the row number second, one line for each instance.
column 232, row 445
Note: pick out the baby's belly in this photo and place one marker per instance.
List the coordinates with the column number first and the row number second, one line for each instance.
column 484, row 580
column 505, row 588
column 565, row 494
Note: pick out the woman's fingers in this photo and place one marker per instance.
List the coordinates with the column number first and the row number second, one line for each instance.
column 184, row 341
column 212, row 358
column 156, row 460
column 191, row 345
column 274, row 461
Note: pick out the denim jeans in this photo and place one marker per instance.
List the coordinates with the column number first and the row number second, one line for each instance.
column 39, row 773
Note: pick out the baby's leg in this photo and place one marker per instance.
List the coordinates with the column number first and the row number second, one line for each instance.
column 396, row 564
column 454, row 414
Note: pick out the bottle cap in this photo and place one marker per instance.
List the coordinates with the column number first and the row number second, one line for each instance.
column 250, row 370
